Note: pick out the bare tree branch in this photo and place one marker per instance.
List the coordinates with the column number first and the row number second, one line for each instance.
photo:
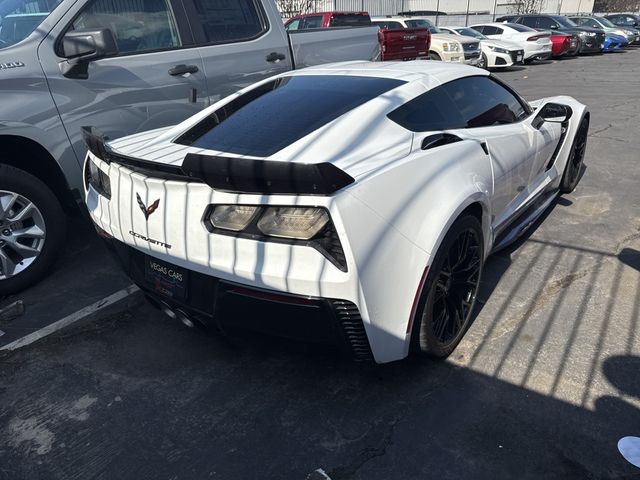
column 526, row 6
column 616, row 6
column 291, row 8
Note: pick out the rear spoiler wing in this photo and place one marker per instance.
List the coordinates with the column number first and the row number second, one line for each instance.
column 231, row 174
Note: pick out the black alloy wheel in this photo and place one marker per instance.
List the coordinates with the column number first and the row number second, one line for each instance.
column 446, row 305
column 573, row 169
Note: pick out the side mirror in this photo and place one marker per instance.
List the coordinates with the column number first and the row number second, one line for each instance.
column 80, row 47
column 554, row 27
column 552, row 113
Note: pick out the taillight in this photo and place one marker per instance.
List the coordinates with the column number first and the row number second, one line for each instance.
column 535, row 38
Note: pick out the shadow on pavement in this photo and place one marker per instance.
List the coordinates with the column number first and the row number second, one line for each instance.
column 132, row 400
column 630, row 257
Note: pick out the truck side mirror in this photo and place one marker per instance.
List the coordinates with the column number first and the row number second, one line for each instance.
column 80, row 47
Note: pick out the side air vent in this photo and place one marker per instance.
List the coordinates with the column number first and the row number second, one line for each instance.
column 353, row 329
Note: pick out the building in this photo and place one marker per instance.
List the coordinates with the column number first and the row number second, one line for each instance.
column 458, row 10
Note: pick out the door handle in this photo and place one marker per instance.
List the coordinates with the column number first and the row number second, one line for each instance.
column 275, row 57
column 182, row 69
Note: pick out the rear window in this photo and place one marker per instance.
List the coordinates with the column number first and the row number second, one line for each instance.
column 274, row 115
column 389, row 25
column 421, row 23
column 519, row 28
column 354, row 20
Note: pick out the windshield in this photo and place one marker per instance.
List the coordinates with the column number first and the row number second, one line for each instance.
column 520, row 28
column 18, row 18
column 606, row 22
column 565, row 22
column 470, row 32
column 422, row 23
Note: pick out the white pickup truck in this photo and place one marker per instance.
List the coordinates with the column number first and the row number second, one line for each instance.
column 122, row 66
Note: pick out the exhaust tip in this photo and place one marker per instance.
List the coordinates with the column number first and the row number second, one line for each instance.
column 184, row 318
column 168, row 311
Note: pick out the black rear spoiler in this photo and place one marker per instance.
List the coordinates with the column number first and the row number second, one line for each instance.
column 237, row 175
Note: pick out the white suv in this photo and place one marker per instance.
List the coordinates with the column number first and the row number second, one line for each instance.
column 460, row 49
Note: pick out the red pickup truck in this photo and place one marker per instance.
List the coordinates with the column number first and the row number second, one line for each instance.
column 395, row 43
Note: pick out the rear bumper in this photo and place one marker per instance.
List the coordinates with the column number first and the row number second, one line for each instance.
column 538, row 52
column 231, row 307
column 591, row 45
column 472, row 58
column 400, row 56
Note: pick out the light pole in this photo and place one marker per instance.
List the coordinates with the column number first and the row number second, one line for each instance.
column 466, row 19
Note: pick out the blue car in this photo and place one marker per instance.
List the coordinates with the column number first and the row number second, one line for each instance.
column 614, row 42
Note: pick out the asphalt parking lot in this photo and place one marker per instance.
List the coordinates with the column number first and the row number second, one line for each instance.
column 543, row 385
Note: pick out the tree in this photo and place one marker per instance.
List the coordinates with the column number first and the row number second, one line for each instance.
column 526, row 6
column 616, row 6
column 291, row 8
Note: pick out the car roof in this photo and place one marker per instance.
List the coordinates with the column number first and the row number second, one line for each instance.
column 400, row 17
column 428, row 71
column 494, row 24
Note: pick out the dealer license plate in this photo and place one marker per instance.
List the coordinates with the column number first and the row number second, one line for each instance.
column 519, row 58
column 166, row 279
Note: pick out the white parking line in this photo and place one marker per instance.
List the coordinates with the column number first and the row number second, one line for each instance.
column 72, row 318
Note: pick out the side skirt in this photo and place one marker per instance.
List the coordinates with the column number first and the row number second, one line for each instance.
column 520, row 224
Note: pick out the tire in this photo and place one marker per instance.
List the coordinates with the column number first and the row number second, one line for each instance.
column 443, row 292
column 528, row 61
column 578, row 48
column 434, row 56
column 484, row 62
column 37, row 214
column 573, row 168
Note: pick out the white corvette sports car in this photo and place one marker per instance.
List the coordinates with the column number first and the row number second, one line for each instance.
column 352, row 203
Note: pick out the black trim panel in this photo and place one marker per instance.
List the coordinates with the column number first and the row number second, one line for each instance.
column 237, row 175
column 96, row 143
column 245, row 175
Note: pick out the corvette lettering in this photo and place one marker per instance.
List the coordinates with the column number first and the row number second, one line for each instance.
column 150, row 240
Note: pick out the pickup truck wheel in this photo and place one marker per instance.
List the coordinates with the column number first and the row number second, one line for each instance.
column 434, row 56
column 32, row 229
